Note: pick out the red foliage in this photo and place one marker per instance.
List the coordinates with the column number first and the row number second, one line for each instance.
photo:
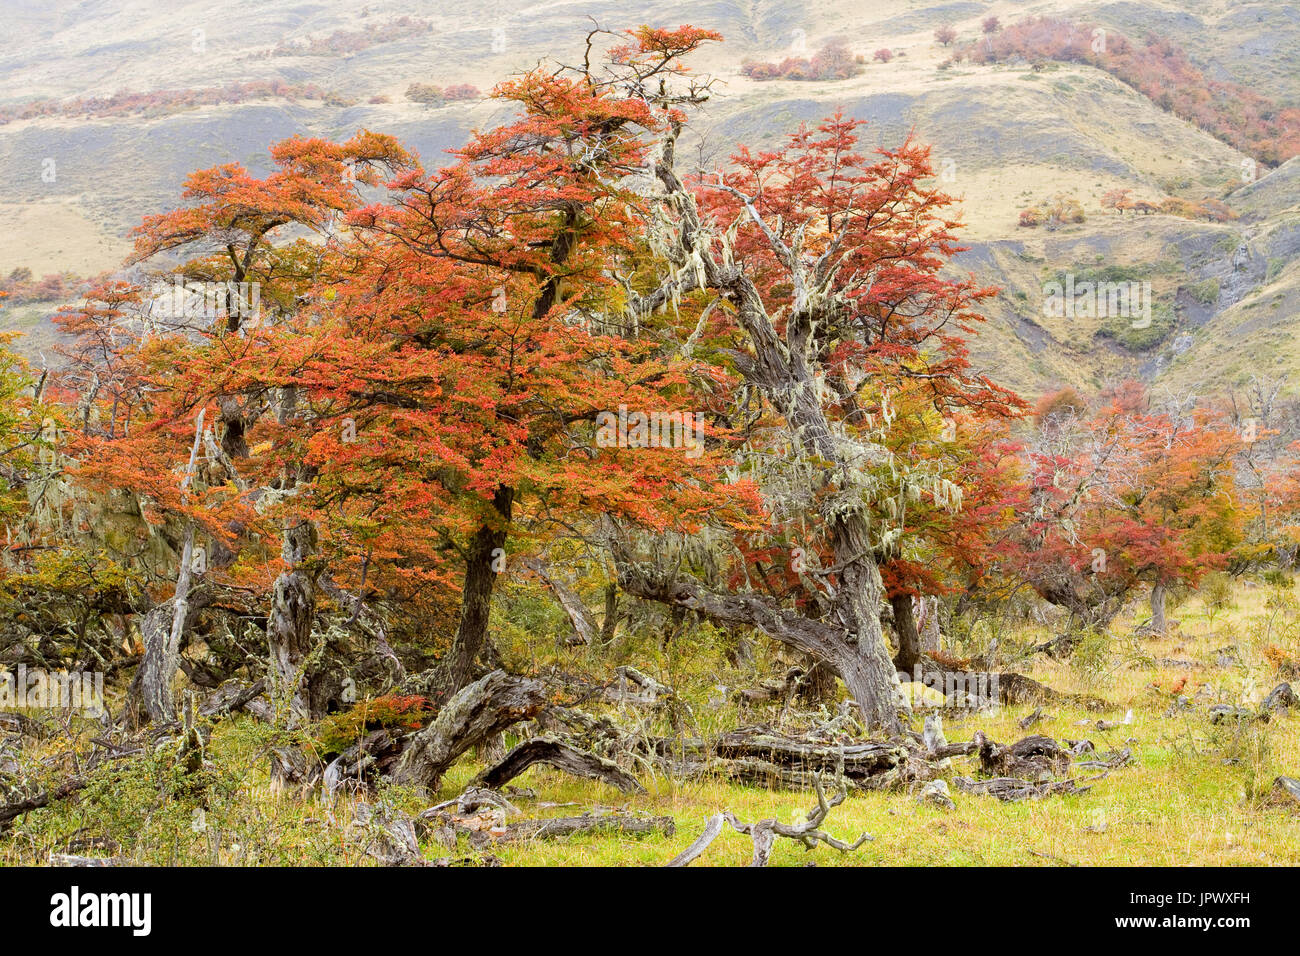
column 1160, row 70
column 834, row 61
column 164, row 102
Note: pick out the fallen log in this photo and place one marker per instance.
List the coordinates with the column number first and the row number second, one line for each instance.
column 556, row 827
column 563, row 756
column 232, row 696
column 1011, row 689
column 764, row 757
column 1282, row 697
column 1012, row 789
column 68, row 859
column 473, row 714
column 1037, row 757
column 484, row 828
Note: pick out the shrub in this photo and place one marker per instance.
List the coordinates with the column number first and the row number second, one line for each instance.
column 461, row 91
column 338, row 732
column 425, row 93
column 1216, row 591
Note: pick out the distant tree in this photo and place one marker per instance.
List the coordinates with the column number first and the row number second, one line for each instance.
column 945, row 34
column 834, row 61
column 425, row 93
column 1132, row 495
column 884, row 55
column 1116, row 199
column 1064, row 402
column 991, row 25
column 461, row 91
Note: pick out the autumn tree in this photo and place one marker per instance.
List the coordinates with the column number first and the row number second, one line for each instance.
column 184, row 362
column 1137, row 493
column 825, row 266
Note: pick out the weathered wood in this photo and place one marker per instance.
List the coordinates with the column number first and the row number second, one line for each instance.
column 485, row 830
column 163, row 627
column 386, row 834
column 68, row 859
column 475, row 798
column 712, row 827
column 375, row 753
column 764, row 832
column 585, row 630
column 293, row 767
column 1282, row 697
column 288, row 626
column 474, row 713
column 563, row 756
column 232, row 696
column 764, row 757
column 191, row 752
column 1037, row 757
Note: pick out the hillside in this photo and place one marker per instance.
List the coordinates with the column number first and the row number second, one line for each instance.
column 1004, row 136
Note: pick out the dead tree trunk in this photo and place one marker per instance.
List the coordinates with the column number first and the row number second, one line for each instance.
column 475, row 713
column 584, row 626
column 482, row 564
column 929, row 625
column 163, row 627
column 863, row 664
column 609, row 624
column 288, row 629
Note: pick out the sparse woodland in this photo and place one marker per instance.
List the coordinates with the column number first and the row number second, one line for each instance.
column 353, row 552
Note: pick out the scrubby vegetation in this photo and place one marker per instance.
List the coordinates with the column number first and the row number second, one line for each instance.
column 833, row 61
column 166, row 102
column 1158, row 69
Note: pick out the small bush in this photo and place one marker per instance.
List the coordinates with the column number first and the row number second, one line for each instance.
column 425, row 93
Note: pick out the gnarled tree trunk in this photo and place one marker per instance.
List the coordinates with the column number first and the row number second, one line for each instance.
column 486, row 553
column 288, row 628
